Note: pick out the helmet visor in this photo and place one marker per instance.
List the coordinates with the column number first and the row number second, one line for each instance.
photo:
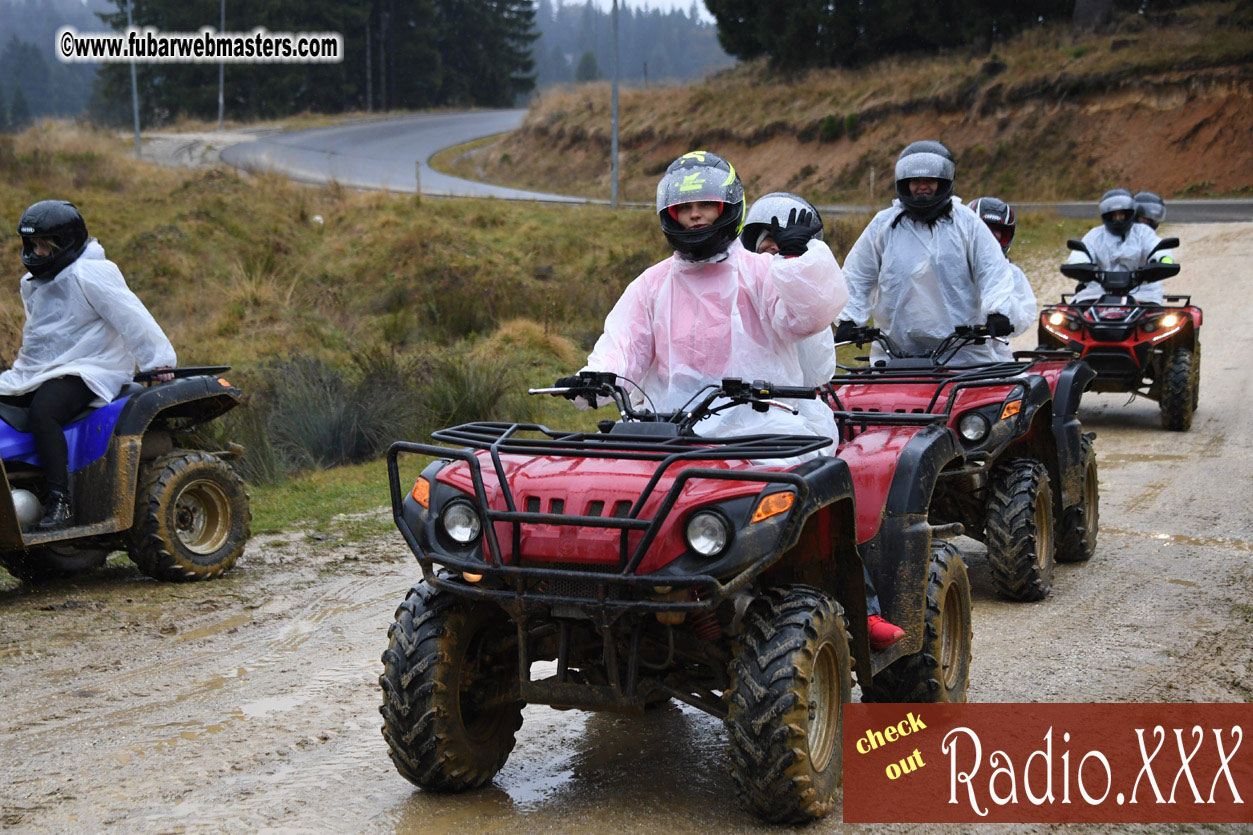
column 698, row 184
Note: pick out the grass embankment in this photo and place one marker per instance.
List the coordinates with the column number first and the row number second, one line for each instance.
column 1162, row 102
column 383, row 319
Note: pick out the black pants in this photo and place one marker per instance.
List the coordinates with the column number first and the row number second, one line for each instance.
column 49, row 407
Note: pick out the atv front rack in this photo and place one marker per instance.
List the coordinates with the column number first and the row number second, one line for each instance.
column 989, row 376
column 518, row 581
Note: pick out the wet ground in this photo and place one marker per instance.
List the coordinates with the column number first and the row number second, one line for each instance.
column 251, row 702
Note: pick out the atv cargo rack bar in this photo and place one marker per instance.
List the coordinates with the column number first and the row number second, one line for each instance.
column 503, row 438
column 990, row 377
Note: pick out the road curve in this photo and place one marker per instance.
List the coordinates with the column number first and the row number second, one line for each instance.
column 381, row 154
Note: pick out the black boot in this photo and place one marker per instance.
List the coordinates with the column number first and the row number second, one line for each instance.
column 58, row 514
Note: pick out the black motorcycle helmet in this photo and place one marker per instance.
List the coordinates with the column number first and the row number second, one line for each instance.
column 929, row 159
column 699, row 177
column 58, row 221
column 1118, row 200
column 999, row 216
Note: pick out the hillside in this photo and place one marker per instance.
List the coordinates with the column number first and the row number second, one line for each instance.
column 1163, row 102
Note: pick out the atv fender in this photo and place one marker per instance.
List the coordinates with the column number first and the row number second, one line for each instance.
column 1068, row 431
column 198, row 399
column 899, row 556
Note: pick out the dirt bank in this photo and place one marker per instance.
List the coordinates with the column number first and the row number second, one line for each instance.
column 251, row 702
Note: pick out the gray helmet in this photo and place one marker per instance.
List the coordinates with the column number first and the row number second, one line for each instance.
column 1150, row 208
column 1118, row 200
column 58, row 221
column 695, row 177
column 927, row 158
column 777, row 204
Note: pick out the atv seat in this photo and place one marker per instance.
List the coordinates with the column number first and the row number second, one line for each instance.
column 18, row 416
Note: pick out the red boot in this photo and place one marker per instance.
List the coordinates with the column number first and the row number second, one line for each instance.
column 882, row 633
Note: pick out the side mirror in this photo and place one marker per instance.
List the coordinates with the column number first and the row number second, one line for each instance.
column 1166, row 243
column 1078, row 246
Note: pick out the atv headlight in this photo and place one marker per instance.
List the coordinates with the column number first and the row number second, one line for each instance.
column 973, row 427
column 1057, row 319
column 1170, row 320
column 461, row 522
column 708, row 533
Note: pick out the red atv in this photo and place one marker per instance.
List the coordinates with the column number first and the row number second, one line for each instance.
column 1153, row 350
column 1026, row 484
column 645, row 563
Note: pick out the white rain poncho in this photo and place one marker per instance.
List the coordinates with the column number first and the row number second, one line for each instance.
column 921, row 282
column 85, row 322
column 1025, row 312
column 1110, row 252
column 684, row 324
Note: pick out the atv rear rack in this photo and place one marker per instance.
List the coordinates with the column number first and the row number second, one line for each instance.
column 503, row 438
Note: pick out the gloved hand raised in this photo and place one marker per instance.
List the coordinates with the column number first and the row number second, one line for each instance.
column 792, row 239
column 999, row 325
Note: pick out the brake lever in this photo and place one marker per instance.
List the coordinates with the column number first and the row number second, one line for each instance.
column 763, row 405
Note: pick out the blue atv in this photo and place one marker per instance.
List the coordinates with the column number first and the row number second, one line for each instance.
column 180, row 514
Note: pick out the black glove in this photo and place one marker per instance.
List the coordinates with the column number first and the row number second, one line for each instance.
column 998, row 325
column 845, row 331
column 576, row 383
column 791, row 239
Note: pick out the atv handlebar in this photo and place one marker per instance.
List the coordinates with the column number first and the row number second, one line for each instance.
column 961, row 336
column 593, row 385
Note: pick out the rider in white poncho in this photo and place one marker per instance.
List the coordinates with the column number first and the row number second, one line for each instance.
column 84, row 334
column 927, row 265
column 1119, row 243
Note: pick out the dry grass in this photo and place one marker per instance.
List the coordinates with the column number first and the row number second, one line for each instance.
column 1029, row 120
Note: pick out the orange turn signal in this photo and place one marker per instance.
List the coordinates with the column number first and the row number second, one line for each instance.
column 773, row 505
column 224, row 383
column 1012, row 408
column 422, row 492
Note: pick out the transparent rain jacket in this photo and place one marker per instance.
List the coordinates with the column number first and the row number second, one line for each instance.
column 85, row 322
column 1114, row 253
column 920, row 282
column 683, row 324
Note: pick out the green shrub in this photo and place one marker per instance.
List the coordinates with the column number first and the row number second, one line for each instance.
column 830, row 128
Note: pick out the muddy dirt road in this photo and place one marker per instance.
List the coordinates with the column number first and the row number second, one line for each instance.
column 251, row 702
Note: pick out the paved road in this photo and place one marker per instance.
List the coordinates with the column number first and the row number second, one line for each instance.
column 381, row 154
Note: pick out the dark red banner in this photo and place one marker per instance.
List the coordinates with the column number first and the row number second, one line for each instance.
column 1048, row 763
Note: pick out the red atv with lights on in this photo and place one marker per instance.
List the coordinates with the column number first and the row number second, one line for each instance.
column 1026, row 484
column 645, row 563
column 1153, row 350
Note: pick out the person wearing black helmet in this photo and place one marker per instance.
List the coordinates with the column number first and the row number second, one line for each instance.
column 926, row 265
column 713, row 310
column 1119, row 243
column 85, row 331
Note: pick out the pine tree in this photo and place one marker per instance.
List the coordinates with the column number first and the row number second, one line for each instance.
column 19, row 112
column 587, row 70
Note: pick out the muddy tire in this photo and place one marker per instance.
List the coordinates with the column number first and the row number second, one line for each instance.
column 191, row 517
column 450, row 690
column 51, row 562
column 1020, row 526
column 1076, row 535
column 940, row 671
column 1179, row 395
column 790, row 679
